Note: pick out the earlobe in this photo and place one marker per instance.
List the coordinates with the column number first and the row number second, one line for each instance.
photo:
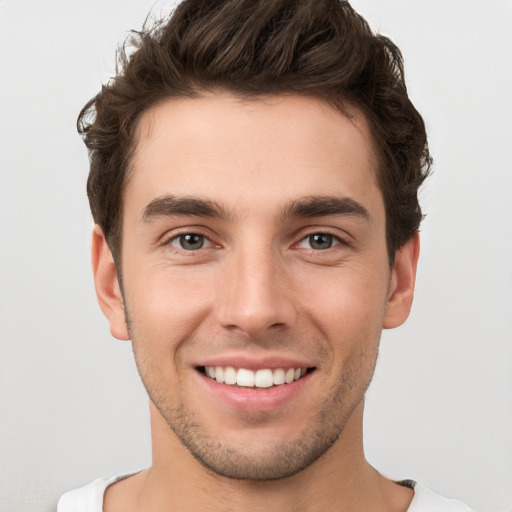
column 107, row 286
column 401, row 288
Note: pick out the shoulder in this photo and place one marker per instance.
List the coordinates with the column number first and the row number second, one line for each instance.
column 88, row 498
column 426, row 500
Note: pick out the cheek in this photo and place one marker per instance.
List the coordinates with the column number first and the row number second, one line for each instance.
column 352, row 294
column 166, row 306
column 348, row 307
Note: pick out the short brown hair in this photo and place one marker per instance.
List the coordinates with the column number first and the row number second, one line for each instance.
column 319, row 48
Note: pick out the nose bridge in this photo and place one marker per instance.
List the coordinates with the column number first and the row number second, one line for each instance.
column 255, row 294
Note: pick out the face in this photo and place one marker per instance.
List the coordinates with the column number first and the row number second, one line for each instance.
column 255, row 274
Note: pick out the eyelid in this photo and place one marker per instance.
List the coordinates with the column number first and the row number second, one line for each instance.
column 206, row 245
column 341, row 237
column 336, row 241
column 176, row 233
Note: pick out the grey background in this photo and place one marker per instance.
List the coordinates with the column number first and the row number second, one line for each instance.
column 71, row 405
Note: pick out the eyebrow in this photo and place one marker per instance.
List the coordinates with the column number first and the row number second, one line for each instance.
column 310, row 206
column 168, row 206
column 323, row 206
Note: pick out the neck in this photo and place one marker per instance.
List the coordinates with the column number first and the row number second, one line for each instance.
column 341, row 479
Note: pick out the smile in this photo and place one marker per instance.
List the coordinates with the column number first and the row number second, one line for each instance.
column 262, row 378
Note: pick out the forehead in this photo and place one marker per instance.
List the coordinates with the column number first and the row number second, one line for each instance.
column 252, row 153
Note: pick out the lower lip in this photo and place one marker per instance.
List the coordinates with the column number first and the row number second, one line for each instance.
column 252, row 399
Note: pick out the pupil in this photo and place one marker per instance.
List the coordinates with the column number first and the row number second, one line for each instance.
column 320, row 241
column 190, row 242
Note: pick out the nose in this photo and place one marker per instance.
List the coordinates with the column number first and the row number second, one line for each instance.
column 256, row 294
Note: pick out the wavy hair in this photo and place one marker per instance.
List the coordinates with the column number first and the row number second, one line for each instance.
column 319, row 48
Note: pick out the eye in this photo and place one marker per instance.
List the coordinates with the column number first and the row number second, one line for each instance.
column 319, row 241
column 190, row 242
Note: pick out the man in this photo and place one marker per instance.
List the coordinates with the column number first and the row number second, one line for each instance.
column 254, row 177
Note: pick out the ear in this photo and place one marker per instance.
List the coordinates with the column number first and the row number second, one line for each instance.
column 107, row 286
column 401, row 287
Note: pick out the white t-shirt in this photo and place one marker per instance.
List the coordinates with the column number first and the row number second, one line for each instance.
column 90, row 499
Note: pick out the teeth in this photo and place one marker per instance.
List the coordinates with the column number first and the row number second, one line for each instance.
column 278, row 377
column 263, row 378
column 289, row 375
column 230, row 375
column 245, row 378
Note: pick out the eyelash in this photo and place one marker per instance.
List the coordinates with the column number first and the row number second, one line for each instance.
column 335, row 241
column 177, row 237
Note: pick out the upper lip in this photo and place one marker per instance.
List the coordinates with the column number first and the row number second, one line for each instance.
column 256, row 362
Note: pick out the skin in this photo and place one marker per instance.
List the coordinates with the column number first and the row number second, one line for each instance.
column 258, row 289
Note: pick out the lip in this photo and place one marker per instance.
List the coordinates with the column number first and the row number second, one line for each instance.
column 255, row 399
column 255, row 363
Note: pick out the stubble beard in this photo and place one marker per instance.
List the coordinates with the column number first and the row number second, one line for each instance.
column 280, row 460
